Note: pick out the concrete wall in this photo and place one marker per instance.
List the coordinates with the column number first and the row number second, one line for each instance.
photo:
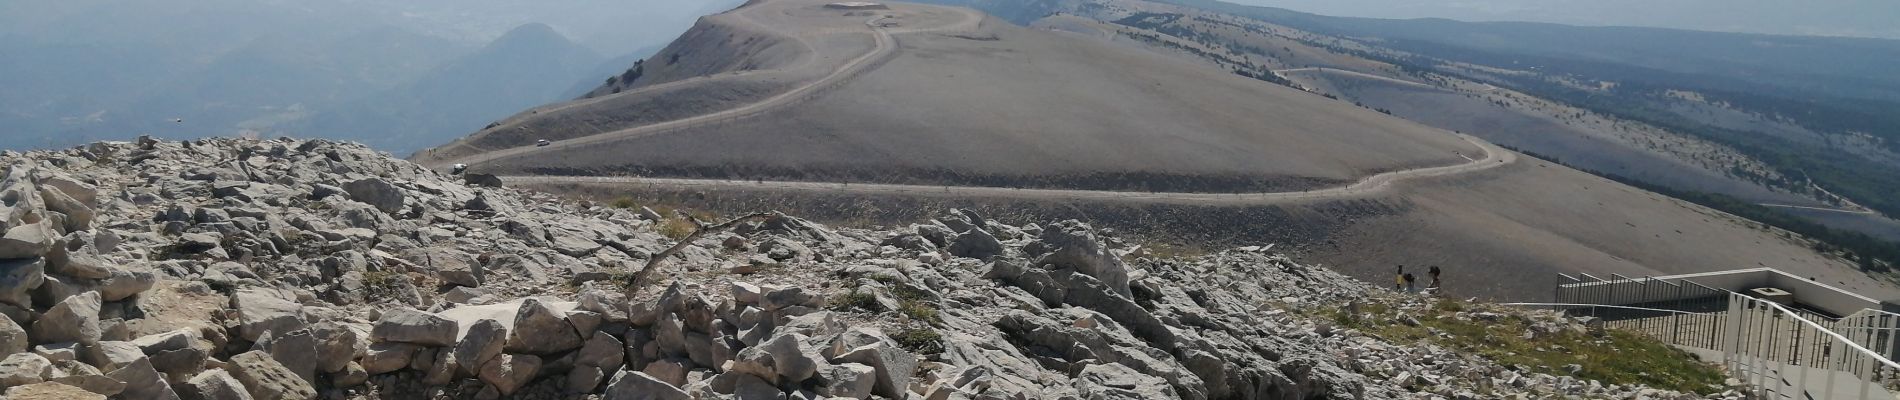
column 1664, row 288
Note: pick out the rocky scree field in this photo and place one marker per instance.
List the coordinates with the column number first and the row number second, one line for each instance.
column 289, row 269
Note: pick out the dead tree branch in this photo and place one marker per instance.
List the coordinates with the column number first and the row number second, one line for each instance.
column 659, row 260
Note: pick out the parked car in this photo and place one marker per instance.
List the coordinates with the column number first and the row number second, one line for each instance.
column 542, row 143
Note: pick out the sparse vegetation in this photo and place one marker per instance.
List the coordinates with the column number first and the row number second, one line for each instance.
column 920, row 340
column 676, row 228
column 855, row 301
column 1510, row 338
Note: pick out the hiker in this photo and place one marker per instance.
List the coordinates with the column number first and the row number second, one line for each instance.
column 1434, row 274
column 1398, row 279
column 1411, row 283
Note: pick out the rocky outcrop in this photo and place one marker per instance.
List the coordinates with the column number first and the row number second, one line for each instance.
column 235, row 269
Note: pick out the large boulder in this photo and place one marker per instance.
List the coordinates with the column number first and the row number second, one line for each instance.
column 384, row 357
column 26, row 241
column 81, row 263
column 848, row 381
column 976, row 243
column 295, row 350
column 408, row 325
column 112, row 355
column 633, row 385
column 24, row 369
column 267, row 379
column 143, row 382
column 603, row 354
column 13, row 338
column 213, row 384
column 125, row 283
column 1074, row 246
column 79, row 216
column 261, row 311
column 894, row 366
column 482, row 343
column 376, row 192
column 539, row 329
column 74, row 319
column 336, row 346
column 196, row 243
column 50, row 391
column 509, row 372
column 18, row 278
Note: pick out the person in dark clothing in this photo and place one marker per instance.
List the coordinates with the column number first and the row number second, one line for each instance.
column 1434, row 273
column 1411, row 283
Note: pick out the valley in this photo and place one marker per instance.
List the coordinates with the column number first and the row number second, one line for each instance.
column 944, row 107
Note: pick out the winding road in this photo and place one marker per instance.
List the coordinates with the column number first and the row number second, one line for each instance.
column 1355, row 74
column 1493, row 157
column 1838, row 210
column 883, row 47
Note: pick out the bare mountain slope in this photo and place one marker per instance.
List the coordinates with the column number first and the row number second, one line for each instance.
column 957, row 101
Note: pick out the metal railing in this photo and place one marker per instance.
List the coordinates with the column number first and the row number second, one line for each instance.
column 1782, row 354
column 1778, row 350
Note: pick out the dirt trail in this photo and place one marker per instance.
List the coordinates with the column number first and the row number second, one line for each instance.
column 1493, row 157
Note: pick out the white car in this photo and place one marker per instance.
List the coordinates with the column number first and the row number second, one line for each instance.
column 542, row 143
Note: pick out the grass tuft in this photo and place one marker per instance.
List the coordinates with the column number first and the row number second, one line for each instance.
column 677, row 228
column 920, row 340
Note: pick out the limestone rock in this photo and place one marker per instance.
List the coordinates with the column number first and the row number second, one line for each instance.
column 849, row 380
column 143, row 382
column 746, row 293
column 384, row 357
column 213, row 384
column 50, row 391
column 24, row 369
column 538, row 329
column 79, row 216
column 166, row 341
column 1076, row 247
column 976, row 243
column 196, row 243
column 18, row 278
column 508, row 372
column 260, row 311
column 13, row 338
column 376, row 192
column 265, row 378
column 75, row 319
column 294, row 350
column 124, row 283
column 26, row 241
column 894, row 367
column 112, row 355
column 336, row 346
column 632, row 385
column 482, row 343
column 352, row 375
column 410, row 326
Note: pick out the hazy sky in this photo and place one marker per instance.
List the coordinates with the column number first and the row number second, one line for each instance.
column 612, row 27
column 1863, row 18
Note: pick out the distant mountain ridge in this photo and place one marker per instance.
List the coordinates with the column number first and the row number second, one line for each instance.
column 530, row 65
